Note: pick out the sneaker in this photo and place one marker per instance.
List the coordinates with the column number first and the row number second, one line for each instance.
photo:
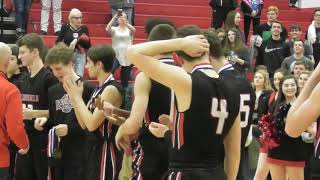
column 42, row 32
column 57, row 33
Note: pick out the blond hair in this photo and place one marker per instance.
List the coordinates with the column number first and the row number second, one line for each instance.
column 267, row 83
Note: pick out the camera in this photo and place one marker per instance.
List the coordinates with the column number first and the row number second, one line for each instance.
column 119, row 12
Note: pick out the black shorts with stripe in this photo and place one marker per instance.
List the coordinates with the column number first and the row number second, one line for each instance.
column 150, row 158
column 103, row 161
column 195, row 174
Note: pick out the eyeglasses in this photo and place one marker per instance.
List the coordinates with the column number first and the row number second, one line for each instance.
column 78, row 18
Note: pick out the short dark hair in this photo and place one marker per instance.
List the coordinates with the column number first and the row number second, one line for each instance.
column 151, row 23
column 184, row 31
column 315, row 11
column 15, row 52
column 104, row 54
column 162, row 32
column 60, row 53
column 278, row 22
column 300, row 63
column 261, row 67
column 32, row 41
column 216, row 49
column 295, row 26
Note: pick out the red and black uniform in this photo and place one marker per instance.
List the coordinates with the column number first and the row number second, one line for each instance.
column 198, row 133
column 150, row 159
column 291, row 151
column 247, row 95
column 71, row 163
column 103, row 159
column 34, row 92
column 11, row 126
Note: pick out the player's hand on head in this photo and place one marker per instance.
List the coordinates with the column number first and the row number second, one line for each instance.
column 166, row 120
column 158, row 129
column 61, row 130
column 39, row 122
column 195, row 45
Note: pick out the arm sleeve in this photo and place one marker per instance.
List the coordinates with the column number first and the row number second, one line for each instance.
column 245, row 55
column 259, row 59
column 245, row 8
column 14, row 122
column 61, row 35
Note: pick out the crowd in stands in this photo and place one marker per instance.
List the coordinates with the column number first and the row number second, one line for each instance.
column 55, row 86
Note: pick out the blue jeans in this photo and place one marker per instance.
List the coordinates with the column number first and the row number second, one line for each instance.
column 22, row 14
column 79, row 62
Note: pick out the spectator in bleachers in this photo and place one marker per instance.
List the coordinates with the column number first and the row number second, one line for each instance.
column 236, row 51
column 45, row 12
column 313, row 36
column 127, row 6
column 265, row 104
column 298, row 56
column 76, row 36
column 298, row 68
column 251, row 12
column 273, row 51
column 303, row 78
column 233, row 21
column 295, row 34
column 264, row 30
column 220, row 9
column 22, row 15
column 122, row 37
column 221, row 33
column 263, row 89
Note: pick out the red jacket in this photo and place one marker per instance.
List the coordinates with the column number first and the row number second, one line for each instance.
column 11, row 120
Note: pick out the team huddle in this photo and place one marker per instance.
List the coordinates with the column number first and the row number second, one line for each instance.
column 189, row 122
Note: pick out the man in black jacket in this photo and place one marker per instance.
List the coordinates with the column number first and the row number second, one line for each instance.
column 220, row 9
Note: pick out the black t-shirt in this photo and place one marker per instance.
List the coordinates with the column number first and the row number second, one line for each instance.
column 247, row 98
column 34, row 92
column 68, row 34
column 61, row 112
column 198, row 133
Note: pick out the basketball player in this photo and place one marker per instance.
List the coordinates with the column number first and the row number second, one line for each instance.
column 151, row 99
column 103, row 160
column 34, row 91
column 204, row 119
column 239, row 85
column 63, row 119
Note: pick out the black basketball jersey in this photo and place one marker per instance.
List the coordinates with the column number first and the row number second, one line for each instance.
column 236, row 83
column 34, row 92
column 61, row 112
column 159, row 100
column 198, row 133
column 106, row 129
